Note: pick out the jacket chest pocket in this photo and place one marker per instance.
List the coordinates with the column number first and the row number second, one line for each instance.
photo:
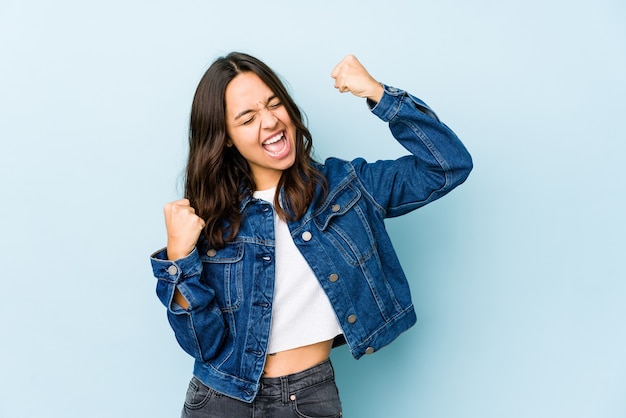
column 345, row 224
column 223, row 271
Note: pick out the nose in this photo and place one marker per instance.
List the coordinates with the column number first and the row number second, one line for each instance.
column 268, row 119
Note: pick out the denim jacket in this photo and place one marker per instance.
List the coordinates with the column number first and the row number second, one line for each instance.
column 342, row 237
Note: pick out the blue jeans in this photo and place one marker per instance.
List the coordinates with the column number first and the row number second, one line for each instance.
column 311, row 393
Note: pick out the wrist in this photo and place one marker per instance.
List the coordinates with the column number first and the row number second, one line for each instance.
column 174, row 253
column 377, row 93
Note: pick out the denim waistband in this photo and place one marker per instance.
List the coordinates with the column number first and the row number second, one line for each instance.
column 285, row 386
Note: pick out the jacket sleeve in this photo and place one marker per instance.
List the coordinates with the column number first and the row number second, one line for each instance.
column 199, row 329
column 438, row 162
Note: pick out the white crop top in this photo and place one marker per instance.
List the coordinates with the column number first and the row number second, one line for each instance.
column 301, row 313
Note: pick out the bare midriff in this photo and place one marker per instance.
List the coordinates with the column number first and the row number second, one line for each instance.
column 297, row 359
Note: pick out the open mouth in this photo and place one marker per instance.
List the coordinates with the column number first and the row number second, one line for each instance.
column 277, row 145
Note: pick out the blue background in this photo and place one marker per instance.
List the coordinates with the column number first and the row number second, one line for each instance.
column 517, row 276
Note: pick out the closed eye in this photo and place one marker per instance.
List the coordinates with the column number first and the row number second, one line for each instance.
column 272, row 104
column 275, row 104
column 248, row 121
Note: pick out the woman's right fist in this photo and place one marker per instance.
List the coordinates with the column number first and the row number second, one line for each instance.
column 183, row 228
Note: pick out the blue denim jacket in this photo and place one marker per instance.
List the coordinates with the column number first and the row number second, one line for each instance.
column 342, row 237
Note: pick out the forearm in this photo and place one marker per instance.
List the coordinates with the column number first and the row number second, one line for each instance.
column 192, row 312
column 438, row 161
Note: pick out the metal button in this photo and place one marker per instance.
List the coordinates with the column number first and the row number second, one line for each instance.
column 267, row 258
column 333, row 277
column 335, row 208
column 306, row 236
column 211, row 253
column 292, row 397
column 172, row 270
column 352, row 319
column 369, row 350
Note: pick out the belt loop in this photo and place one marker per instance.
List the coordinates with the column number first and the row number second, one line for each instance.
column 284, row 386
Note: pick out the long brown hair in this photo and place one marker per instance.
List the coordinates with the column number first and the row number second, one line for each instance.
column 218, row 177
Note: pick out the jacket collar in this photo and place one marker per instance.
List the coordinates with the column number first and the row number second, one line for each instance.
column 248, row 198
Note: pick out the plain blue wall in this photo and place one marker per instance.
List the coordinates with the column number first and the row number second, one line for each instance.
column 517, row 276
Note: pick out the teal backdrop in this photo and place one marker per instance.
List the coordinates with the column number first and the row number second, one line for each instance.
column 518, row 276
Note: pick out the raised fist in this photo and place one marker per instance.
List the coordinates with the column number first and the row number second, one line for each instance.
column 183, row 228
column 351, row 76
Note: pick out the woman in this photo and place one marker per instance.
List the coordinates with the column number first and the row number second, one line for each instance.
column 272, row 258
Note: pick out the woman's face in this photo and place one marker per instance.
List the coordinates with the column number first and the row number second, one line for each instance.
column 260, row 128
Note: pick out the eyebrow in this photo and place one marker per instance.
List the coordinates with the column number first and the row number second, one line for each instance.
column 245, row 112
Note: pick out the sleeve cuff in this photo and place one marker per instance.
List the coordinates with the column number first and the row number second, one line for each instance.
column 388, row 105
column 175, row 270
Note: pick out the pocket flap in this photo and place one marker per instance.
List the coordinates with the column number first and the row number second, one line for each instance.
column 337, row 204
column 231, row 253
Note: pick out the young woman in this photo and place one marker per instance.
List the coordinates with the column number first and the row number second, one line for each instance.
column 273, row 258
